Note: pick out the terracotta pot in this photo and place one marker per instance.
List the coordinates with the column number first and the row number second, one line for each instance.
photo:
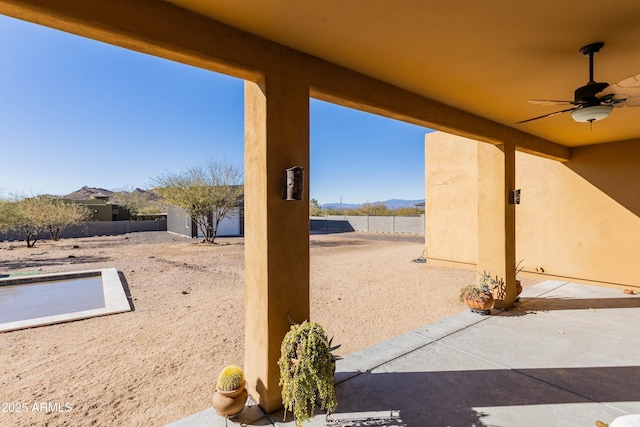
column 629, row 291
column 230, row 403
column 479, row 305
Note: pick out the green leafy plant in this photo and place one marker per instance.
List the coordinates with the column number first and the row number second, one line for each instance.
column 489, row 283
column 306, row 366
column 231, row 378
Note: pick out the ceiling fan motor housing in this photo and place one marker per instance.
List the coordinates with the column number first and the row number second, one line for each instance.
column 587, row 93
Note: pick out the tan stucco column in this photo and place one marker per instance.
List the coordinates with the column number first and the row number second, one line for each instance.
column 496, row 217
column 276, row 230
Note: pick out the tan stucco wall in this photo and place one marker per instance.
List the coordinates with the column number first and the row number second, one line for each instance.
column 579, row 219
column 451, row 169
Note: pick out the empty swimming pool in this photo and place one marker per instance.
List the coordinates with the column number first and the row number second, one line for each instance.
column 38, row 300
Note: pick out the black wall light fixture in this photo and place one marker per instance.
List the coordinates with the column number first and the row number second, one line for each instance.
column 294, row 186
column 514, row 197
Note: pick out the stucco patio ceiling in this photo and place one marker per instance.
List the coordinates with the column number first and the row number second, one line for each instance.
column 487, row 58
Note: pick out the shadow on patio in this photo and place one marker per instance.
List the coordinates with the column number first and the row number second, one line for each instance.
column 453, row 397
column 576, row 361
column 546, row 304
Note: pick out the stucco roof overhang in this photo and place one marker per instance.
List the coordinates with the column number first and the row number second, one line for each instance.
column 468, row 66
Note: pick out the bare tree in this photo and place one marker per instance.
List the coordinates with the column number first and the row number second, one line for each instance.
column 206, row 193
column 32, row 217
column 61, row 214
column 314, row 208
column 129, row 199
column 43, row 214
column 374, row 209
column 137, row 201
column 8, row 215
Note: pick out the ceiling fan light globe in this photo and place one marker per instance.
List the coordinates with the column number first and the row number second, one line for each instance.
column 591, row 114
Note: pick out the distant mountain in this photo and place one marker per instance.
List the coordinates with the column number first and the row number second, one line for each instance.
column 339, row 206
column 391, row 204
column 145, row 200
column 86, row 192
column 400, row 203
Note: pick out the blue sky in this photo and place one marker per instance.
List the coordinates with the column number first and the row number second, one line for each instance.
column 76, row 112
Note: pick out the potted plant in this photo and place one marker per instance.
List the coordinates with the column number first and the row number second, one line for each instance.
column 519, row 268
column 231, row 393
column 306, row 366
column 480, row 298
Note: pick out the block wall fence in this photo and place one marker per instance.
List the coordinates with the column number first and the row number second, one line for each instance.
column 331, row 223
column 97, row 228
column 369, row 224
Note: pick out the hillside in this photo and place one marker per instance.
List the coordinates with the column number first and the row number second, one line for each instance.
column 86, row 193
column 146, row 201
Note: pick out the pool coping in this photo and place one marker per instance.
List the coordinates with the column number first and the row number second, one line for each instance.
column 115, row 299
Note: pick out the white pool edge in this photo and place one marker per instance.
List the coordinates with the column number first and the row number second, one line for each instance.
column 115, row 301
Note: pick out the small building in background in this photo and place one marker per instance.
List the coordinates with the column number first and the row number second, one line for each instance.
column 101, row 209
column 179, row 222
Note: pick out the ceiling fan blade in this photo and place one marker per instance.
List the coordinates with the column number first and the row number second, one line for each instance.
column 548, row 115
column 616, row 101
column 551, row 102
column 632, row 102
column 626, row 88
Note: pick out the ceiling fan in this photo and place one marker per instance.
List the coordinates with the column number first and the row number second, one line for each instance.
column 595, row 100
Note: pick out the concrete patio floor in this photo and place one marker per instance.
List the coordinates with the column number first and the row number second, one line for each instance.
column 566, row 355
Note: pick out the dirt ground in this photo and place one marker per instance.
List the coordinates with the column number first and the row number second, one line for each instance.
column 160, row 362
